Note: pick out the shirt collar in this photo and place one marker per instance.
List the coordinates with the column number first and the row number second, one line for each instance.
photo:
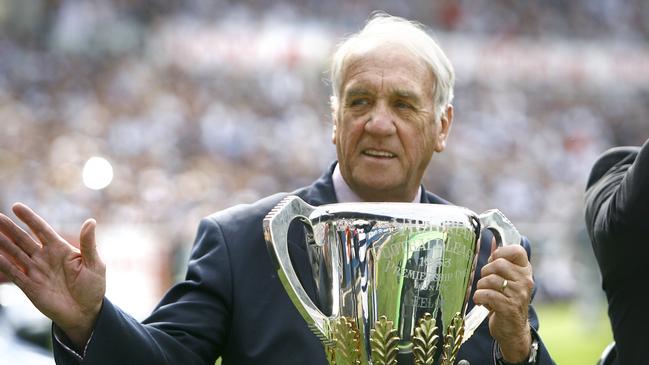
column 344, row 194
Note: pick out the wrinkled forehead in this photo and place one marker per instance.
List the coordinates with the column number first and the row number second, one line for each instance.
column 391, row 65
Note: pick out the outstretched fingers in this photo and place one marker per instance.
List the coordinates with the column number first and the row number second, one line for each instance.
column 43, row 231
column 18, row 237
column 13, row 252
column 13, row 272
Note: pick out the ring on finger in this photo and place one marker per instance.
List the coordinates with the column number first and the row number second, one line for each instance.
column 504, row 285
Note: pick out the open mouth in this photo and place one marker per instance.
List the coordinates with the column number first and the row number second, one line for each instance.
column 378, row 153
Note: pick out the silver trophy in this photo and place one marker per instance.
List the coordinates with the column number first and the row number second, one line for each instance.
column 392, row 280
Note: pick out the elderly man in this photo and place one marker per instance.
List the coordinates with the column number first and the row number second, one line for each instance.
column 617, row 217
column 391, row 109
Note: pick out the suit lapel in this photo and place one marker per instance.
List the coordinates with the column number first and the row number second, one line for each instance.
column 430, row 198
column 321, row 191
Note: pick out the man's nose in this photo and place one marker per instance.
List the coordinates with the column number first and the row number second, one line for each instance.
column 381, row 120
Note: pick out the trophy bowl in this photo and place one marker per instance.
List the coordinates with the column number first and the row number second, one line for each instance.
column 393, row 278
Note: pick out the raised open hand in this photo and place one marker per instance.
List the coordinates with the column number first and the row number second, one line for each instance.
column 64, row 283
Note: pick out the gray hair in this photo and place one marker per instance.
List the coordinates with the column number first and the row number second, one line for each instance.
column 382, row 29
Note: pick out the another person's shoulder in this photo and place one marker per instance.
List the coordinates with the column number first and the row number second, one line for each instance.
column 605, row 177
column 610, row 162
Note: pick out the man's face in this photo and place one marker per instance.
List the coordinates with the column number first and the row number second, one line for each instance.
column 384, row 126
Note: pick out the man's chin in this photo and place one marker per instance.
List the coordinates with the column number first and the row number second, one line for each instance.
column 373, row 188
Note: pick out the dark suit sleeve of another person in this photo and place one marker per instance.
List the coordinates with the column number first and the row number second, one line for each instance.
column 617, row 218
column 617, row 215
column 187, row 327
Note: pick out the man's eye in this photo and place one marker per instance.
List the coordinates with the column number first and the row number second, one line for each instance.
column 359, row 102
column 403, row 105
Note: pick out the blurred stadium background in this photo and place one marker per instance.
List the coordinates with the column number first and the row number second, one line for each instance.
column 198, row 105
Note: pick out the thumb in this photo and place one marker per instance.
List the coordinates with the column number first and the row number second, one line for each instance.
column 88, row 243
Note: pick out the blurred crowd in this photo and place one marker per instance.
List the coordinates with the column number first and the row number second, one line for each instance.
column 200, row 105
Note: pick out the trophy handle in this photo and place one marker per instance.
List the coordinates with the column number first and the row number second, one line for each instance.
column 505, row 234
column 276, row 225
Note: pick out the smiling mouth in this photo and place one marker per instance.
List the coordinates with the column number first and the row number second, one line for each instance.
column 379, row 154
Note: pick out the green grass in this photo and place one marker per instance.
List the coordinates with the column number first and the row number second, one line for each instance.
column 571, row 337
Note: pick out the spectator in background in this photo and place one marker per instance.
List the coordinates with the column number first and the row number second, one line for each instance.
column 391, row 110
column 617, row 217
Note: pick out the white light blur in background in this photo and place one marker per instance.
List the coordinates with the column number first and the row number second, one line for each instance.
column 97, row 173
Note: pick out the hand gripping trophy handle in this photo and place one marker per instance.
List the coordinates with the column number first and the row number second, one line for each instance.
column 276, row 225
column 505, row 234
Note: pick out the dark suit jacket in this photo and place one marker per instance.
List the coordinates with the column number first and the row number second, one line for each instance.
column 232, row 303
column 617, row 218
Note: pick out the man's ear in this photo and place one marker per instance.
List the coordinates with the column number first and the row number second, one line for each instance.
column 333, row 102
column 445, row 123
